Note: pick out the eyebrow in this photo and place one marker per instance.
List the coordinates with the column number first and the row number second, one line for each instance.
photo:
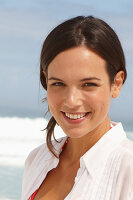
column 54, row 78
column 82, row 80
column 90, row 79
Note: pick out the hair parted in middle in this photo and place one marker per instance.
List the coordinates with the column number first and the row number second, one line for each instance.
column 91, row 32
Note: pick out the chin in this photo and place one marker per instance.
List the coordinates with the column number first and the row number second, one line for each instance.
column 74, row 134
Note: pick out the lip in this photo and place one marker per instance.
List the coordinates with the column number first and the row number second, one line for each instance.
column 75, row 113
column 75, row 121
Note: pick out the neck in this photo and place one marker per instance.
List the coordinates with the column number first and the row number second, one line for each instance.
column 77, row 147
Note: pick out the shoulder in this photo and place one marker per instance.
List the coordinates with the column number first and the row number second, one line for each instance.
column 127, row 147
column 35, row 154
column 127, row 158
column 41, row 154
column 30, row 169
column 36, row 164
column 125, row 172
column 127, row 143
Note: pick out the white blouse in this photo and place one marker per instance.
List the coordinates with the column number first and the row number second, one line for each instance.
column 105, row 173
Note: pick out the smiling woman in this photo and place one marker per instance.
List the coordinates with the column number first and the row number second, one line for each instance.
column 82, row 67
column 77, row 95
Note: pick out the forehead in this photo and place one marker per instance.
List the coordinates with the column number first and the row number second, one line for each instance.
column 77, row 61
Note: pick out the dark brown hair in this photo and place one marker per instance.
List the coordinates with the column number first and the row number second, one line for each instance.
column 88, row 31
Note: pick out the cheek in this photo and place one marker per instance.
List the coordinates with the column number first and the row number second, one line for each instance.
column 54, row 100
column 99, row 100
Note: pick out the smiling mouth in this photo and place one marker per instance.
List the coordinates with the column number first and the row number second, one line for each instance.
column 75, row 116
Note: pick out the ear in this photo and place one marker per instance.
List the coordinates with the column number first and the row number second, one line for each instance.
column 117, row 84
column 45, row 74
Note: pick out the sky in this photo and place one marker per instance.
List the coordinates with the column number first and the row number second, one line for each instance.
column 23, row 28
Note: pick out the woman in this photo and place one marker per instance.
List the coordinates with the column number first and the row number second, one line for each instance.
column 82, row 67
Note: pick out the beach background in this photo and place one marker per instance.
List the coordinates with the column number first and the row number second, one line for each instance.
column 23, row 28
column 18, row 137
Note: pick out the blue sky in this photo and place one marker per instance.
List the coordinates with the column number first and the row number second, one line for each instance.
column 23, row 27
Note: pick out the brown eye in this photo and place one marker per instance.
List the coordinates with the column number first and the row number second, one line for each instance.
column 89, row 84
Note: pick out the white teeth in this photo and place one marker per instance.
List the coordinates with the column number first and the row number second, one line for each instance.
column 75, row 116
column 78, row 116
column 67, row 114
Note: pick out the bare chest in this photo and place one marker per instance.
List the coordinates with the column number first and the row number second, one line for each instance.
column 57, row 184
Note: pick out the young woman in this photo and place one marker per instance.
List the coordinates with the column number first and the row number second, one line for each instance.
column 82, row 67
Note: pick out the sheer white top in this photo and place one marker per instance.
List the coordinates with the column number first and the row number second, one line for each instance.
column 105, row 173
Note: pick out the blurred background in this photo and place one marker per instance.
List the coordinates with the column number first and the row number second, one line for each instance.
column 23, row 28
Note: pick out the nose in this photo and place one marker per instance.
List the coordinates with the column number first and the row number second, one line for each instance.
column 72, row 98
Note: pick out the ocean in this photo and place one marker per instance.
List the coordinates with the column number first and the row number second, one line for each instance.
column 19, row 136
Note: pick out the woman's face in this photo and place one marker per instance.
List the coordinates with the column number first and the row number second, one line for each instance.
column 78, row 91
